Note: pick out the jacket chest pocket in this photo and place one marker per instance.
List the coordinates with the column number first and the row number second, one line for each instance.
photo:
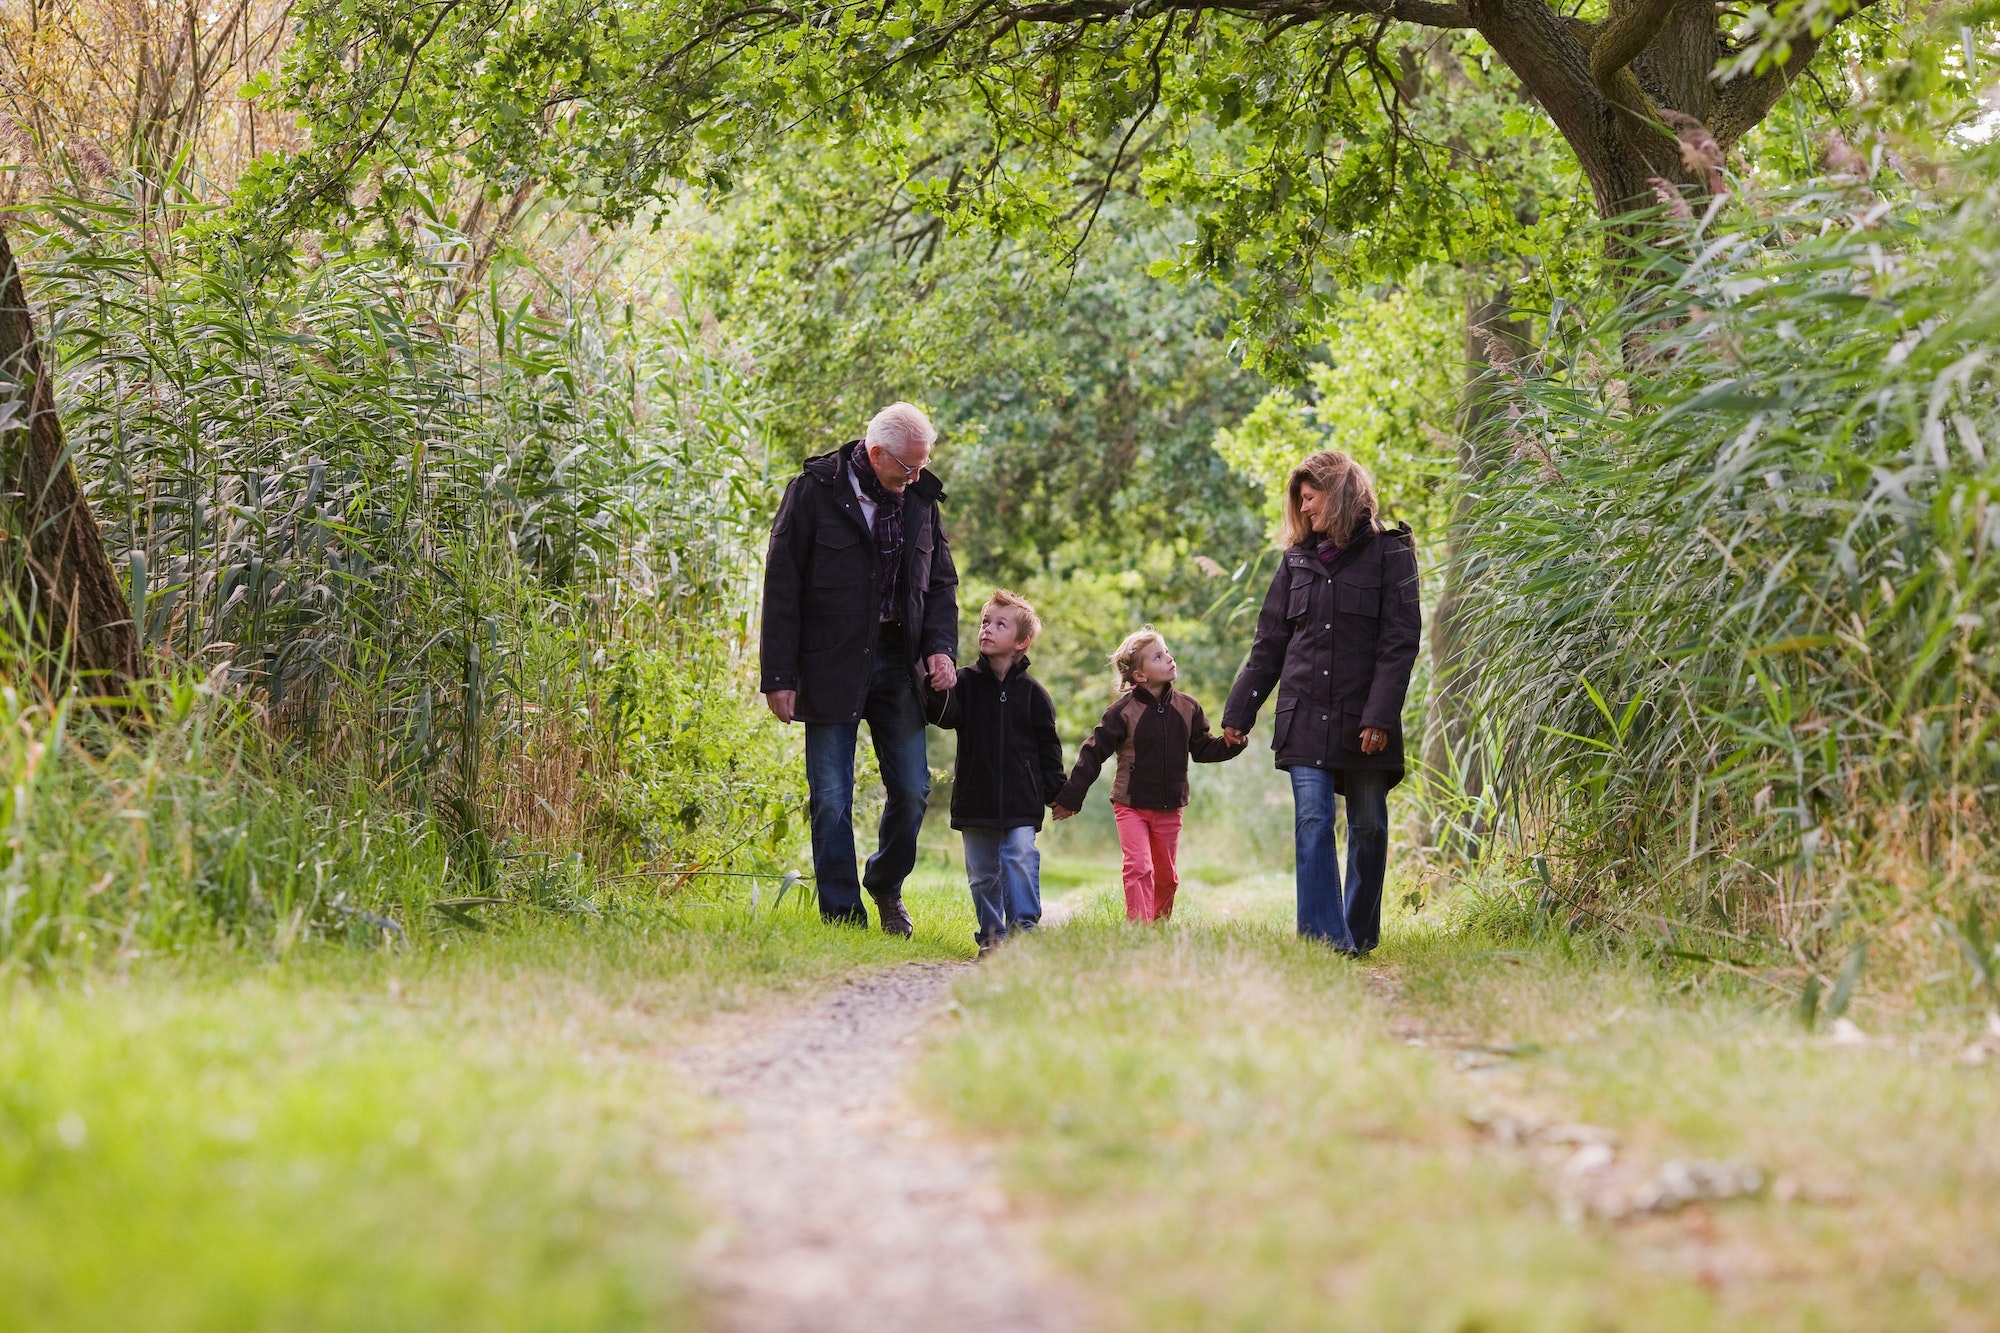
column 1298, row 604
column 1359, row 599
column 837, row 557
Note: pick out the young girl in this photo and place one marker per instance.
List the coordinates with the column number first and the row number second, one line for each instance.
column 1154, row 730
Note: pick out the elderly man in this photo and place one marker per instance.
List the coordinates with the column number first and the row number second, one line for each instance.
column 860, row 601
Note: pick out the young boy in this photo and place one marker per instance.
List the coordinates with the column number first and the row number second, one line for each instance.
column 1009, row 766
column 1154, row 731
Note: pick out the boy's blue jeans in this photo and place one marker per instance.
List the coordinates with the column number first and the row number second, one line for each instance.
column 1005, row 871
column 1351, row 921
column 896, row 726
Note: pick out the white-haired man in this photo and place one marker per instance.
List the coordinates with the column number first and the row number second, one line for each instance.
column 860, row 603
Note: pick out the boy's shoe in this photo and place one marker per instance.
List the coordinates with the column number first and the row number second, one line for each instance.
column 987, row 946
column 895, row 917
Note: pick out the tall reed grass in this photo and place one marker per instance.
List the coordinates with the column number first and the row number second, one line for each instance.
column 1734, row 582
column 476, row 563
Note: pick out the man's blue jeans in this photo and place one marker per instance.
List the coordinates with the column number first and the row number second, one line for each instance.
column 1005, row 871
column 896, row 726
column 1351, row 921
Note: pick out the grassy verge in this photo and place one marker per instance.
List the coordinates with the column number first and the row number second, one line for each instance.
column 1229, row 1129
column 473, row 1135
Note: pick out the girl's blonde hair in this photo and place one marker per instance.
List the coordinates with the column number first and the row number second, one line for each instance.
column 1031, row 624
column 1348, row 489
column 1126, row 660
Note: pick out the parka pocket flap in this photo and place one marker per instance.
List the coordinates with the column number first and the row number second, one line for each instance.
column 1359, row 599
column 1299, row 598
column 1282, row 724
column 837, row 536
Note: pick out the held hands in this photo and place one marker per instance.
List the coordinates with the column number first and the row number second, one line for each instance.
column 944, row 674
column 782, row 703
column 1060, row 813
column 1374, row 740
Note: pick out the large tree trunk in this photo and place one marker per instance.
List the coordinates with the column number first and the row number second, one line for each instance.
column 51, row 551
column 1635, row 95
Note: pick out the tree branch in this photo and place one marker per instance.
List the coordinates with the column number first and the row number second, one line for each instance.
column 1428, row 13
column 1747, row 99
column 1619, row 40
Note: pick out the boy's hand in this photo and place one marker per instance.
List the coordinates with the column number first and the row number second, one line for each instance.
column 1060, row 813
column 944, row 673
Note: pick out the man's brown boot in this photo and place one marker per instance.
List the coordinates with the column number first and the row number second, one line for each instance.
column 895, row 917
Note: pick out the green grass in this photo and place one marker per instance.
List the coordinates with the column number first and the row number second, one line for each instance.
column 474, row 1136
column 1227, row 1129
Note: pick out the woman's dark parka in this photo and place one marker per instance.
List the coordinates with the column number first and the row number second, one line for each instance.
column 821, row 611
column 1010, row 760
column 1337, row 642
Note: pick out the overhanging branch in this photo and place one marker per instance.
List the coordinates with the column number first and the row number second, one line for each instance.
column 1428, row 13
column 1747, row 99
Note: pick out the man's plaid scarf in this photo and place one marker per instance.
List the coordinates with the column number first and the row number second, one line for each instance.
column 888, row 528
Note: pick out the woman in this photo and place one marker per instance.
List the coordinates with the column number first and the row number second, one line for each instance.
column 1338, row 633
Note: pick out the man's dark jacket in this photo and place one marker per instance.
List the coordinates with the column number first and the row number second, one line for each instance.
column 1338, row 642
column 1010, row 760
column 821, row 605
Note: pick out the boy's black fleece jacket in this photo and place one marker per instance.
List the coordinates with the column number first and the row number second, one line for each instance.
column 1010, row 760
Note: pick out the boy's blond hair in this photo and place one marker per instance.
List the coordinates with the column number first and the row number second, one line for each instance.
column 1125, row 661
column 1031, row 624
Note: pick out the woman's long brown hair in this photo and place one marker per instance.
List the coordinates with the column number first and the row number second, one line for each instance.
column 1347, row 487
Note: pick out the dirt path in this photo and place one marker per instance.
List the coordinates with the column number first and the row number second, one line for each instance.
column 841, row 1210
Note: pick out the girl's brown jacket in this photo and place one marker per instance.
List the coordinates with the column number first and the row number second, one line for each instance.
column 1153, row 736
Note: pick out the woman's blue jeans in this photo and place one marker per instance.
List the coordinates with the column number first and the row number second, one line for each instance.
column 896, row 725
column 1351, row 920
column 1005, row 872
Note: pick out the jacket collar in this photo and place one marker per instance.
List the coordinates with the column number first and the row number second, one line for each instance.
column 831, row 468
column 1310, row 546
column 980, row 665
column 1151, row 699
column 1308, row 551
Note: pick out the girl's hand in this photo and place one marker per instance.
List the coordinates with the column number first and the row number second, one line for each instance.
column 1060, row 813
column 1374, row 740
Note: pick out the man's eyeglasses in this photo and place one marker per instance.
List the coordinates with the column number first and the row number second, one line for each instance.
column 909, row 473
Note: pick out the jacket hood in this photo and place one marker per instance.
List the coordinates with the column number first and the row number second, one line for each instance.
column 1368, row 535
column 827, row 468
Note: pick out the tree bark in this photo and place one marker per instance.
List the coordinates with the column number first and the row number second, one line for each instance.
column 1635, row 96
column 50, row 547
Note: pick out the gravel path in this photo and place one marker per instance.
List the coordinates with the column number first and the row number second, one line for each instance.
column 841, row 1211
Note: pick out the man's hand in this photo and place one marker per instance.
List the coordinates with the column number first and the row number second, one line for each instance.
column 1235, row 737
column 1060, row 813
column 1374, row 740
column 944, row 674
column 781, row 703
